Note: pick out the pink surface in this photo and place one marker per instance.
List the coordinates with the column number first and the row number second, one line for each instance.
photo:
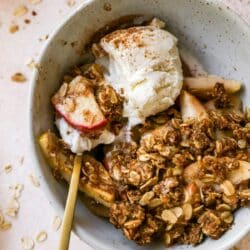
column 17, row 49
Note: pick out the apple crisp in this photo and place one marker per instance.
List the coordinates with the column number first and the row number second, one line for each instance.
column 179, row 176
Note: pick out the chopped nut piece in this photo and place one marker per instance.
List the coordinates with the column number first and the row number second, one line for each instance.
column 228, row 188
column 18, row 77
column 13, row 28
column 20, row 11
column 8, row 168
column 168, row 216
column 27, row 243
column 42, row 236
column 57, row 221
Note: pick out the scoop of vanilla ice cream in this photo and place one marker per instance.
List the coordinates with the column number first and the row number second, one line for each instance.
column 143, row 64
column 79, row 143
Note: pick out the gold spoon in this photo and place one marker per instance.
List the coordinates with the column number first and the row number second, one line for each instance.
column 70, row 204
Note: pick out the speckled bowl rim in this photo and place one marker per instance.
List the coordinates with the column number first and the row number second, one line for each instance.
column 33, row 140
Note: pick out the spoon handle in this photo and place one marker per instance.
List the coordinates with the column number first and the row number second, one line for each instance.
column 70, row 204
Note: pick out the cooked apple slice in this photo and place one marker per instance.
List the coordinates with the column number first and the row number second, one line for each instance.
column 210, row 105
column 190, row 191
column 76, row 103
column 190, row 173
column 236, row 176
column 95, row 207
column 191, row 108
column 201, row 86
column 61, row 160
column 235, row 104
column 240, row 174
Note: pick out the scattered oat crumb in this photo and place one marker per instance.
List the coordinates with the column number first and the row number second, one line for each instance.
column 107, row 7
column 71, row 2
column 20, row 11
column 32, row 64
column 44, row 38
column 6, row 225
column 18, row 77
column 17, row 190
column 13, row 208
column 13, row 28
column 27, row 21
column 27, row 243
column 42, row 236
column 21, row 160
column 1, row 219
column 57, row 221
column 34, row 180
column 35, row 1
column 8, row 168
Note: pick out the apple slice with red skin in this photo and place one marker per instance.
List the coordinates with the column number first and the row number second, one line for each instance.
column 106, row 163
column 76, row 103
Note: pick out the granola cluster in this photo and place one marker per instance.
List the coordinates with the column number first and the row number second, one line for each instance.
column 178, row 180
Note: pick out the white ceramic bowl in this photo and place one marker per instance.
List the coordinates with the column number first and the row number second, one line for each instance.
column 209, row 31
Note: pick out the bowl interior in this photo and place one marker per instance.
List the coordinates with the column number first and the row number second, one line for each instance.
column 208, row 31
